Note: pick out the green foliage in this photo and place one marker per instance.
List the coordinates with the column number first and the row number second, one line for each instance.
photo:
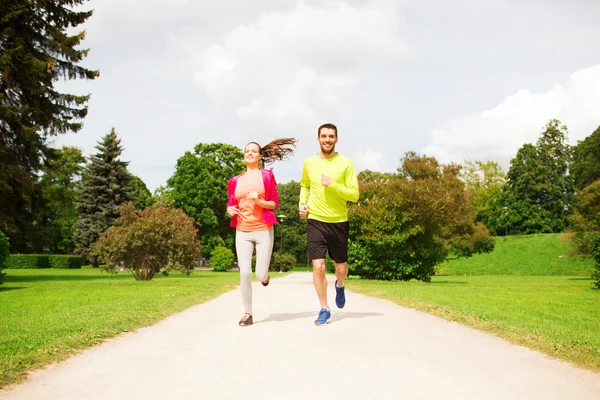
column 140, row 194
column 330, row 265
column 585, row 220
column 596, row 254
column 403, row 227
column 484, row 183
column 294, row 228
column 4, row 253
column 586, row 160
column 540, row 254
column 159, row 238
column 221, row 259
column 57, row 215
column 199, row 187
column 38, row 47
column 62, row 261
column 105, row 186
column 282, row 261
column 28, row 261
column 539, row 190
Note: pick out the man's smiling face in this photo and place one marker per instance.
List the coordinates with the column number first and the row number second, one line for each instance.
column 327, row 140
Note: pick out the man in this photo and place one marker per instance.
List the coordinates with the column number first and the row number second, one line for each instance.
column 328, row 183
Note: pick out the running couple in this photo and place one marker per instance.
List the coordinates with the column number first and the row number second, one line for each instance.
column 328, row 182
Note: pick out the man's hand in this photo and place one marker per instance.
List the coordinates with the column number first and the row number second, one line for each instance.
column 303, row 211
column 325, row 180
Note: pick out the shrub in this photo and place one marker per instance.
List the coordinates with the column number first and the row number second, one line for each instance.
column 329, row 265
column 404, row 226
column 159, row 238
column 284, row 261
column 28, row 261
column 4, row 254
column 65, row 261
column 596, row 254
column 221, row 259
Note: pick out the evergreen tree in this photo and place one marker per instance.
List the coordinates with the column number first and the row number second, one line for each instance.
column 35, row 52
column 105, row 186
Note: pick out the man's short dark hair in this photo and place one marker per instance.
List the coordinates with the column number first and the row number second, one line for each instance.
column 327, row 126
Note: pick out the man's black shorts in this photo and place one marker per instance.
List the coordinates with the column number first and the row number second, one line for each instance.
column 327, row 237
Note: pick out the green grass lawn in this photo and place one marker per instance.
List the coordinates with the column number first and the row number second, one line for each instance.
column 559, row 316
column 47, row 314
column 522, row 255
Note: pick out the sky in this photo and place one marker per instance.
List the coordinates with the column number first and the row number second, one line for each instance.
column 460, row 80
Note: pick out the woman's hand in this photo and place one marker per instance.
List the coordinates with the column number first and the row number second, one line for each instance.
column 252, row 195
column 232, row 210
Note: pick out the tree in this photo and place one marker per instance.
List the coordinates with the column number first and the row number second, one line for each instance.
column 294, row 228
column 484, row 182
column 585, row 220
column 57, row 217
column 4, row 253
column 402, row 228
column 539, row 190
column 105, row 186
column 199, row 187
column 159, row 238
column 35, row 52
column 586, row 160
column 140, row 195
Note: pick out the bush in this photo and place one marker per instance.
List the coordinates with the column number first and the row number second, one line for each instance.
column 596, row 254
column 28, row 261
column 65, row 261
column 284, row 261
column 329, row 265
column 159, row 238
column 4, row 254
column 221, row 259
column 405, row 225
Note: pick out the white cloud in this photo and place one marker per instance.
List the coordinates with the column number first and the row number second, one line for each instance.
column 368, row 159
column 497, row 134
column 290, row 70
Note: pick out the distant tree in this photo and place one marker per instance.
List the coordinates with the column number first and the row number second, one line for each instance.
column 140, row 195
column 586, row 160
column 539, row 191
column 403, row 228
column 105, row 186
column 484, row 182
column 36, row 50
column 294, row 228
column 159, row 238
column 585, row 220
column 199, row 187
column 374, row 176
column 58, row 215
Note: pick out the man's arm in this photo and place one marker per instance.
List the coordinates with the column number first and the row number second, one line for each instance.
column 349, row 190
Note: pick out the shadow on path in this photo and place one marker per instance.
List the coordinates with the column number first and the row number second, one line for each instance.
column 337, row 316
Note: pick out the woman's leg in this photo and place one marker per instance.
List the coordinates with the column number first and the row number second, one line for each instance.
column 244, row 246
column 264, row 248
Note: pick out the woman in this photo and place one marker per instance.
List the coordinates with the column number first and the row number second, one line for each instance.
column 253, row 197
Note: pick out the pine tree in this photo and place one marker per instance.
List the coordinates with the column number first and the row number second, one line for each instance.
column 35, row 52
column 106, row 184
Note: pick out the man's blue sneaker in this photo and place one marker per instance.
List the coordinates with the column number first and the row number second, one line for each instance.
column 340, row 296
column 324, row 317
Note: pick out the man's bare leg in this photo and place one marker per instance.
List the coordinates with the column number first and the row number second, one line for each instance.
column 341, row 272
column 320, row 281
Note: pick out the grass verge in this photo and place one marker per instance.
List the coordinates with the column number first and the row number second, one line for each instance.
column 48, row 315
column 558, row 316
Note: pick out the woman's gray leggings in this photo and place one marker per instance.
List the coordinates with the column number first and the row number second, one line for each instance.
column 244, row 245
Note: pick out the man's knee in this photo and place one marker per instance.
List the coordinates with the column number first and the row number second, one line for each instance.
column 319, row 266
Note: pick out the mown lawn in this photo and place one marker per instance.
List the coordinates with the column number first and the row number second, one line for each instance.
column 559, row 316
column 47, row 314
